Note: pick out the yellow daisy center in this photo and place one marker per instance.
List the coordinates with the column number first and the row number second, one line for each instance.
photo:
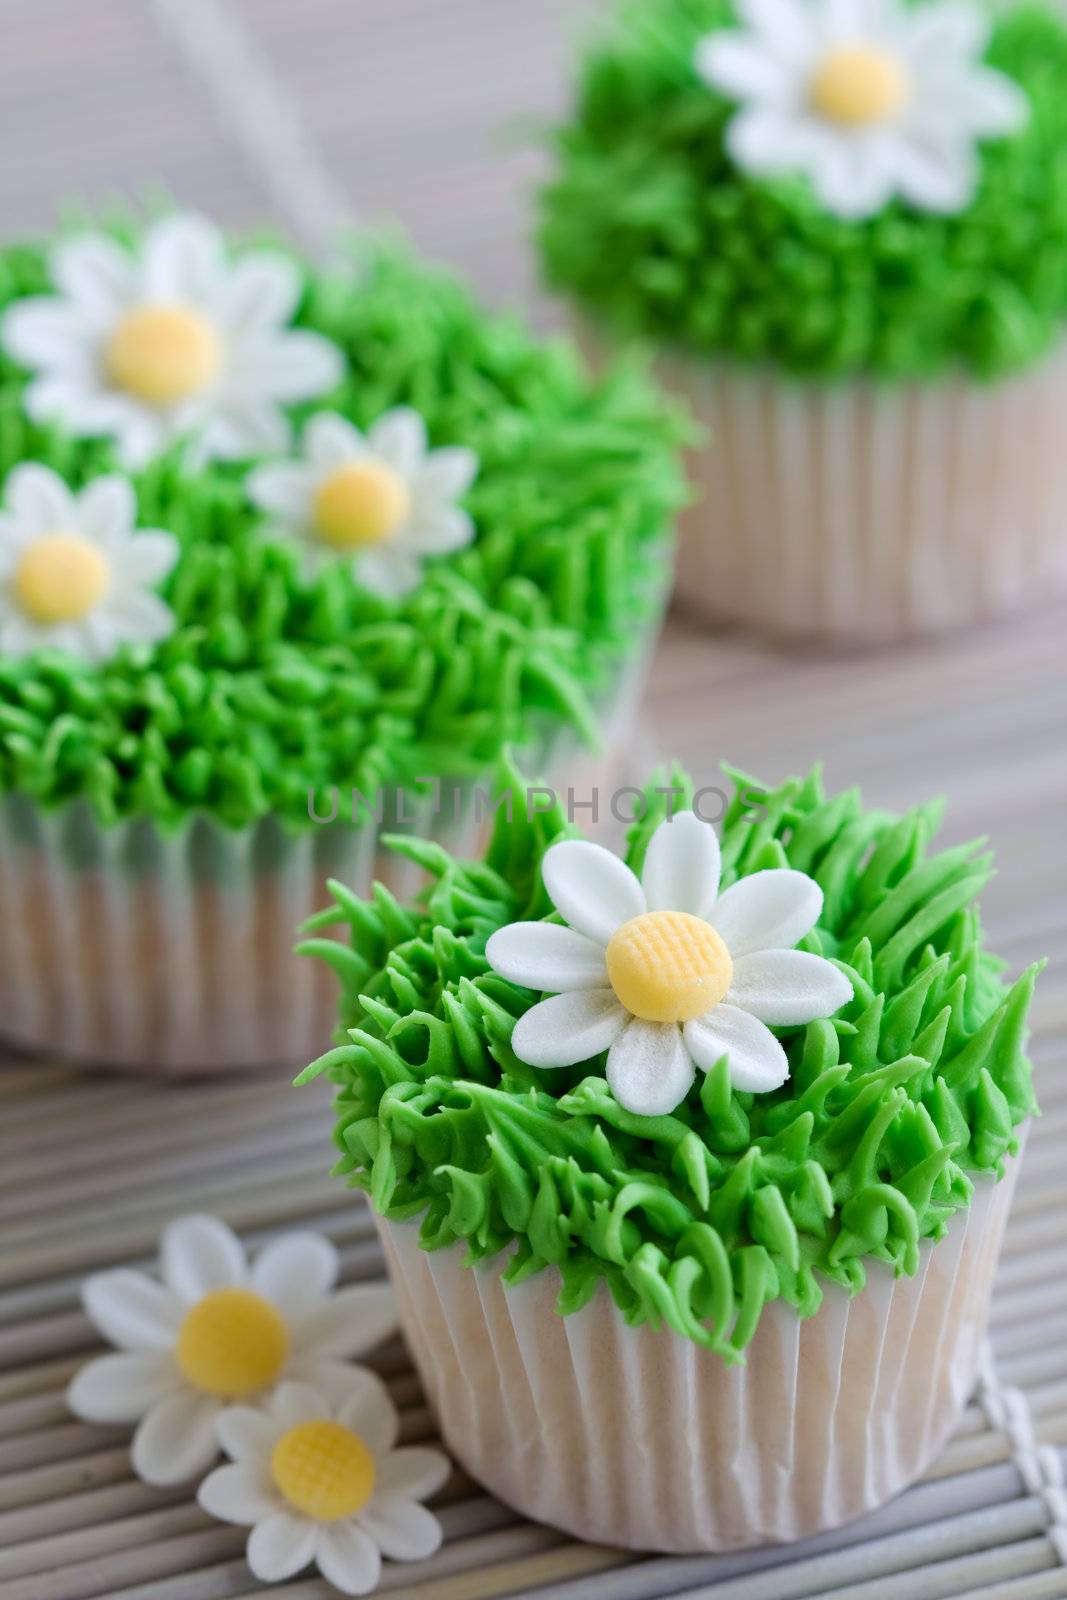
column 360, row 504
column 60, row 577
column 323, row 1469
column 163, row 353
column 668, row 966
column 858, row 84
column 231, row 1343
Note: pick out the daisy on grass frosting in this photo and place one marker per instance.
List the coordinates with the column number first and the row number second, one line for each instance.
column 872, row 98
column 382, row 501
column 168, row 340
column 320, row 1481
column 76, row 574
column 214, row 1331
column 665, row 973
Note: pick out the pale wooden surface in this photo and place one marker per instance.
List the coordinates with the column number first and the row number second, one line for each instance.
column 409, row 99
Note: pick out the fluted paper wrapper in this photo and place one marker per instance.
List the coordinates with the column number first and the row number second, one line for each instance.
column 865, row 512
column 639, row 1437
column 127, row 946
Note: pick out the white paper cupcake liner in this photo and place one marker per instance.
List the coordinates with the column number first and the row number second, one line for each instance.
column 173, row 952
column 867, row 513
column 639, row 1437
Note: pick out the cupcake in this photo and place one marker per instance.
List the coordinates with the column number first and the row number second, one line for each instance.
column 844, row 226
column 279, row 548
column 690, row 1168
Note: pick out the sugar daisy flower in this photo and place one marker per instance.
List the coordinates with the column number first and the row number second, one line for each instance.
column 217, row 1330
column 666, row 974
column 383, row 501
column 323, row 1482
column 872, row 98
column 75, row 572
column 169, row 340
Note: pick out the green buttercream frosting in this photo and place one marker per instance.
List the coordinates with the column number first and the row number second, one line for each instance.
column 650, row 226
column 700, row 1218
column 273, row 684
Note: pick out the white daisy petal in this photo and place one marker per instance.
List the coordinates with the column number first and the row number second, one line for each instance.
column 402, row 1529
column 854, row 181
column 399, row 439
column 106, row 509
column 992, row 104
column 295, row 1272
column 176, row 1440
column 283, row 487
column 947, row 30
column 786, row 987
column 290, row 366
column 149, row 556
column 591, row 889
column 446, row 474
column 245, row 1433
column 782, row 26
column 182, row 260
column 95, row 272
column 547, row 958
column 263, row 290
column 199, row 1254
column 568, row 1028
column 298, row 1402
column 132, row 1311
column 649, row 1071
column 369, row 1411
column 39, row 499
column 415, row 1472
column 349, row 1323
column 682, row 866
column 348, row 1558
column 757, row 1060
column 390, row 572
column 238, row 1493
column 441, row 531
column 281, row 1546
column 743, row 69
column 121, row 1388
column 130, row 616
column 331, row 440
column 242, row 427
column 42, row 332
column 767, row 911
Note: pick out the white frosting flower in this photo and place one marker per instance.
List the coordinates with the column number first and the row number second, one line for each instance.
column 167, row 341
column 666, row 974
column 75, row 574
column 323, row 1483
column 872, row 98
column 383, row 501
column 214, row 1331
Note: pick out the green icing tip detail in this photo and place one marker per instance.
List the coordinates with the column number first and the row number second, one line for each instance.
column 694, row 1220
column 648, row 224
column 272, row 686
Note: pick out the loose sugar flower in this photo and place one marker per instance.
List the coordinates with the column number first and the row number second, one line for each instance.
column 383, row 502
column 169, row 340
column 872, row 98
column 75, row 573
column 323, row 1483
column 666, row 974
column 214, row 1331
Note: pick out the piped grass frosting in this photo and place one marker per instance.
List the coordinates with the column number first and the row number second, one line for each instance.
column 266, row 675
column 652, row 224
column 698, row 1218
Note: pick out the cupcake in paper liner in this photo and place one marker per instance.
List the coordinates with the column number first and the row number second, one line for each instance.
column 843, row 226
column 691, row 1168
column 280, row 548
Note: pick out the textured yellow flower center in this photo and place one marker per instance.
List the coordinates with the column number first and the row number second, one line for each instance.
column 360, row 504
column 858, row 84
column 163, row 354
column 231, row 1343
column 668, row 966
column 323, row 1469
column 60, row 577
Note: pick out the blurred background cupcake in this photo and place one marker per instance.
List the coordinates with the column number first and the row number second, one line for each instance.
column 843, row 224
column 270, row 536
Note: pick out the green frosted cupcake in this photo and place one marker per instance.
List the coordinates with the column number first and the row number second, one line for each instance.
column 691, row 1168
column 844, row 226
column 269, row 536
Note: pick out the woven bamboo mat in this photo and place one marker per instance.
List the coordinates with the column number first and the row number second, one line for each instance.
column 407, row 100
